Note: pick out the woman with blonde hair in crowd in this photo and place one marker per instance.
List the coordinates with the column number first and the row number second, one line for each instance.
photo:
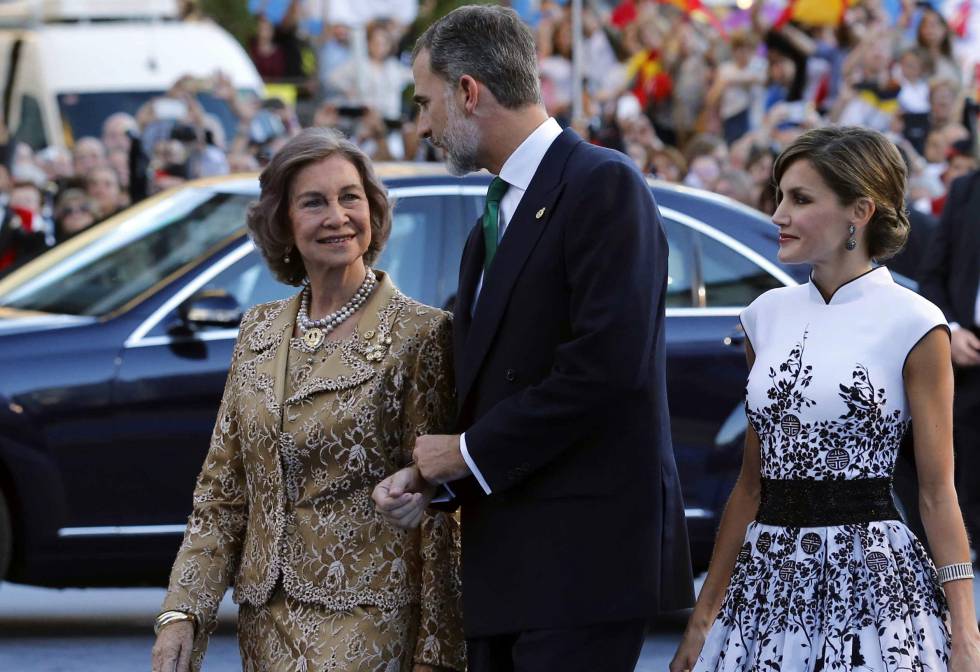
column 813, row 568
column 326, row 394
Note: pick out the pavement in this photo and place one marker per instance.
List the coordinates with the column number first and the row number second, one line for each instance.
column 110, row 630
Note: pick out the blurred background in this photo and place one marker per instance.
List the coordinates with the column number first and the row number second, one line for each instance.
column 108, row 101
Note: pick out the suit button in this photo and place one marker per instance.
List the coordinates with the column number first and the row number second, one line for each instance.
column 510, row 375
column 290, row 528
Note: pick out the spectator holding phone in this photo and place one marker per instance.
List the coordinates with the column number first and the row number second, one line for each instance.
column 378, row 82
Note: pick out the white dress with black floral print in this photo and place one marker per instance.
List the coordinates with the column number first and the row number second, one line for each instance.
column 827, row 399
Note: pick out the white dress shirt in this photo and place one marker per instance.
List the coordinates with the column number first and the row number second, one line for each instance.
column 517, row 172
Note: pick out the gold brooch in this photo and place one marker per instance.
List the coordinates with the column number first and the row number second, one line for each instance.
column 375, row 353
column 313, row 338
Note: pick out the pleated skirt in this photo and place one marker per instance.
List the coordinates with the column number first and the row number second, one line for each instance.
column 821, row 599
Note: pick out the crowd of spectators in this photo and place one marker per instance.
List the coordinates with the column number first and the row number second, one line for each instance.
column 703, row 99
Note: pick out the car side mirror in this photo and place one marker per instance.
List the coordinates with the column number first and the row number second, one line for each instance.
column 209, row 308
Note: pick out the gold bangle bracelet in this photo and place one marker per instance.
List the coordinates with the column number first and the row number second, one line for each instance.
column 173, row 616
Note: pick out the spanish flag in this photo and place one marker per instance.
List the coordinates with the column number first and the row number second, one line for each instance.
column 651, row 83
column 697, row 11
column 814, row 12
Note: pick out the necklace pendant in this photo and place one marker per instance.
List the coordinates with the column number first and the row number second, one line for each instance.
column 313, row 337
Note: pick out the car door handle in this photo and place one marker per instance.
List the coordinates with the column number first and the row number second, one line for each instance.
column 735, row 337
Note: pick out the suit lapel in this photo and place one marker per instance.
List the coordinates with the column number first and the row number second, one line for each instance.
column 470, row 266
column 522, row 234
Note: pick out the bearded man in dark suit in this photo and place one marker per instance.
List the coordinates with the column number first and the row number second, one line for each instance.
column 573, row 528
column 950, row 277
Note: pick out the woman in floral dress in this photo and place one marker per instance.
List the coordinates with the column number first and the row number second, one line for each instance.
column 813, row 569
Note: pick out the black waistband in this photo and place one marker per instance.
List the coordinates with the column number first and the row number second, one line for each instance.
column 812, row 503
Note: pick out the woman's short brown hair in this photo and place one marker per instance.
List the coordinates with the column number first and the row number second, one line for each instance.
column 857, row 163
column 268, row 218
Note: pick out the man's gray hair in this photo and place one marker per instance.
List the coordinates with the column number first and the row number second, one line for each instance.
column 490, row 44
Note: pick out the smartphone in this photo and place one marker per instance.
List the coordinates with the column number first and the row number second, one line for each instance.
column 169, row 108
column 351, row 110
column 265, row 126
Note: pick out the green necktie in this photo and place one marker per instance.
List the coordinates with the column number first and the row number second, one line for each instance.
column 491, row 212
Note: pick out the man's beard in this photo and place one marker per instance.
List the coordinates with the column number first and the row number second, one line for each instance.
column 460, row 140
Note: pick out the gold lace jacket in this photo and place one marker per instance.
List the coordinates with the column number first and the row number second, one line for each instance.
column 285, row 491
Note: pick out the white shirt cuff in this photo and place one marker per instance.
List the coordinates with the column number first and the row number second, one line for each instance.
column 444, row 495
column 472, row 465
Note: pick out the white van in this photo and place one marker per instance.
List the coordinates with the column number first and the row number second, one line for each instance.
column 66, row 65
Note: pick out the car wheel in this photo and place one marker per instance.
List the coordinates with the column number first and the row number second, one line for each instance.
column 6, row 537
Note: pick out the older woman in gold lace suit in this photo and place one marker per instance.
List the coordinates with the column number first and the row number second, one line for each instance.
column 326, row 394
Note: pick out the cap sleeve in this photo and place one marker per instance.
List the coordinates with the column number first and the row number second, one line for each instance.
column 747, row 318
column 923, row 319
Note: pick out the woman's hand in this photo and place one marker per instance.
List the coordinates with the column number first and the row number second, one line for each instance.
column 965, row 656
column 402, row 497
column 689, row 649
column 172, row 650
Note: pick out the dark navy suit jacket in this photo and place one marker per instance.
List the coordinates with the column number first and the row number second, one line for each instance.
column 948, row 275
column 562, row 396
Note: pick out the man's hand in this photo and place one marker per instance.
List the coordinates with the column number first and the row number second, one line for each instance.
column 402, row 497
column 965, row 347
column 439, row 459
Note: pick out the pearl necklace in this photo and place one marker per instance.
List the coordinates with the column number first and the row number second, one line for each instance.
column 314, row 331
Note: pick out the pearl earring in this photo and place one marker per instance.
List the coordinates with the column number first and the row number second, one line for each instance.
column 286, row 258
column 851, row 242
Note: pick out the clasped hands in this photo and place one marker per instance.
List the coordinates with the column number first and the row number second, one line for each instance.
column 402, row 497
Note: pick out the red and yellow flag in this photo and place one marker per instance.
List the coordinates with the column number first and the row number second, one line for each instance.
column 814, row 12
column 697, row 11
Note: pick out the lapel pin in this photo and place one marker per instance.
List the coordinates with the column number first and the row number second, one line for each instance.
column 539, row 214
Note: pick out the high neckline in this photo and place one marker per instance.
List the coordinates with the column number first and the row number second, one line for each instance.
column 854, row 289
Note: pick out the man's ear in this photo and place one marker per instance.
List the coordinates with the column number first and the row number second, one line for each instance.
column 470, row 90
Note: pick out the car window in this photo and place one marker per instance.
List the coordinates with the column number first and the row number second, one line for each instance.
column 251, row 282
column 680, row 263
column 133, row 257
column 414, row 252
column 730, row 278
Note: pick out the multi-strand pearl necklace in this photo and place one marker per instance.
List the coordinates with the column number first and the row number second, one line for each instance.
column 314, row 331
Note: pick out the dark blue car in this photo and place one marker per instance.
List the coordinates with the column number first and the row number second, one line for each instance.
column 114, row 348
